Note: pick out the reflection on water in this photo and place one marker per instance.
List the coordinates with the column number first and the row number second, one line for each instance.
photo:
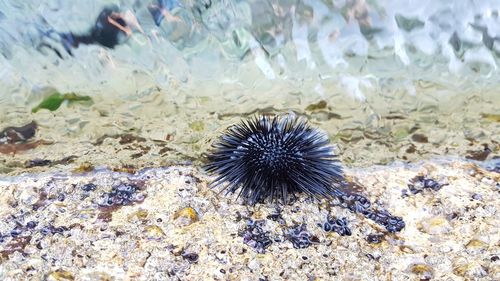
column 153, row 82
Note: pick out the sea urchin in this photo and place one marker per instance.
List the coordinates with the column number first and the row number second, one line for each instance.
column 275, row 157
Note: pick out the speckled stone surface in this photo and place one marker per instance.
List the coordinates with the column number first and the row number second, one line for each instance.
column 166, row 224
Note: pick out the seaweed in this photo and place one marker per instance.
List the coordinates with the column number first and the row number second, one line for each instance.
column 54, row 101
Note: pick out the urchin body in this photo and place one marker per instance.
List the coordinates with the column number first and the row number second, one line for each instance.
column 275, row 157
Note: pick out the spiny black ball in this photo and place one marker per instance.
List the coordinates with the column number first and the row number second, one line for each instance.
column 275, row 157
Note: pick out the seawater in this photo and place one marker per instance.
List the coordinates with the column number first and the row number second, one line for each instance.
column 387, row 80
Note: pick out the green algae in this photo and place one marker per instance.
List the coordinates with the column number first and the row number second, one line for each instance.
column 54, row 101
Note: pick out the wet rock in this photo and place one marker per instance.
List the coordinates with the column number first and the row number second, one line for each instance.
column 277, row 217
column 355, row 202
column 337, row 225
column 16, row 231
column 16, row 148
column 130, row 169
column 17, row 244
column 420, row 183
column 494, row 166
column 42, row 201
column 122, row 139
column 46, row 162
column 17, row 135
column 186, row 216
column 359, row 204
column 61, row 275
column 420, row 138
column 122, row 195
column 476, row 245
column 479, row 155
column 133, row 243
column 423, row 271
column 84, row 168
column 255, row 236
column 154, row 232
column 31, row 224
column 190, row 257
column 50, row 229
column 391, row 223
column 89, row 187
column 469, row 269
column 477, row 197
column 141, row 215
column 315, row 106
column 375, row 238
column 300, row 237
column 17, row 139
column 38, row 163
column 434, row 225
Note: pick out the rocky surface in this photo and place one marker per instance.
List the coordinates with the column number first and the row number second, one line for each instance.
column 166, row 224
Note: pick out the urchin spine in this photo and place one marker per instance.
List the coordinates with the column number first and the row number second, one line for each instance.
column 275, row 157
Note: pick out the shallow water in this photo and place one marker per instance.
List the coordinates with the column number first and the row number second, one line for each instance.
column 387, row 81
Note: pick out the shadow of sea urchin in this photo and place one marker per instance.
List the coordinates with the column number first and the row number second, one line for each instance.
column 275, row 157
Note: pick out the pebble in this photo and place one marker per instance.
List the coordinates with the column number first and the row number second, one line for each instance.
column 423, row 271
column 185, row 216
column 434, row 225
column 300, row 237
column 337, row 225
column 255, row 236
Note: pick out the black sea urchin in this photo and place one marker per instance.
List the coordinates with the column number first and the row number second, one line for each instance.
column 274, row 157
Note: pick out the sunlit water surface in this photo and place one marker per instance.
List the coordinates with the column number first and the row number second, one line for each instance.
column 387, row 80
